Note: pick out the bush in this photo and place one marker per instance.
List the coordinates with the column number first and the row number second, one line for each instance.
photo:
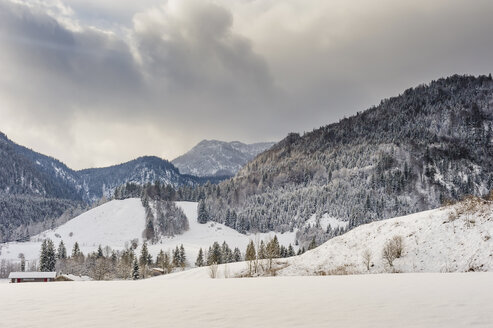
column 392, row 250
column 213, row 270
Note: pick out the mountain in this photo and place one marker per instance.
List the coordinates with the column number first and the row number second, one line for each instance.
column 97, row 182
column 218, row 158
column 411, row 153
column 27, row 172
column 35, row 189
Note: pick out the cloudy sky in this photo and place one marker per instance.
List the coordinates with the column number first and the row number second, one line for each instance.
column 99, row 82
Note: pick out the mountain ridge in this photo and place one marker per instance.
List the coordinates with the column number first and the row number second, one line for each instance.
column 218, row 158
column 410, row 153
column 36, row 189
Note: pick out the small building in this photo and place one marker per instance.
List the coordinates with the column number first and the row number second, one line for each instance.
column 16, row 277
column 157, row 272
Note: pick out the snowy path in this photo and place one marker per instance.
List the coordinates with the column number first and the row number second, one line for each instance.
column 401, row 300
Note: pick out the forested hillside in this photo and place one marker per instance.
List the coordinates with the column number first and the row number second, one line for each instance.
column 38, row 191
column 410, row 153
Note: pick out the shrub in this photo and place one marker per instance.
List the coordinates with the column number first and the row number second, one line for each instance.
column 392, row 250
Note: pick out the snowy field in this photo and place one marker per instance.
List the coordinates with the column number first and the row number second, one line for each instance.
column 399, row 300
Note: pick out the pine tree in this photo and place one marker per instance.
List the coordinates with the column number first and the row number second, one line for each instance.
column 144, row 259
column 215, row 254
column 167, row 263
column 291, row 250
column 226, row 253
column 284, row 251
column 272, row 250
column 237, row 255
column 62, row 251
column 76, row 250
column 160, row 260
column 149, row 232
column 135, row 271
column 114, row 258
column 200, row 259
column 313, row 244
column 250, row 255
column 144, row 254
column 183, row 258
column 261, row 251
column 23, row 262
column 100, row 253
column 176, row 257
column 47, row 259
column 203, row 215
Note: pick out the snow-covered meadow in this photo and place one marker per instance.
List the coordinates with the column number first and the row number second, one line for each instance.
column 118, row 222
column 384, row 300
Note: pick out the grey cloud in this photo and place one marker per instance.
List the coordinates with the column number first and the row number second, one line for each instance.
column 184, row 70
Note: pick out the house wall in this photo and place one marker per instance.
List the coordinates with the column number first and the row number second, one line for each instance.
column 17, row 280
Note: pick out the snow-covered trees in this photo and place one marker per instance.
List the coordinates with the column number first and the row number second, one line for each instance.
column 145, row 259
column 76, row 250
column 62, row 251
column 203, row 215
column 214, row 254
column 23, row 262
column 250, row 255
column 200, row 259
column 179, row 257
column 47, row 258
column 408, row 154
column 135, row 270
column 237, row 255
column 272, row 251
column 163, row 218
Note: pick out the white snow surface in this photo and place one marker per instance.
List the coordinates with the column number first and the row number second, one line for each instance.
column 433, row 242
column 380, row 301
column 114, row 224
column 117, row 222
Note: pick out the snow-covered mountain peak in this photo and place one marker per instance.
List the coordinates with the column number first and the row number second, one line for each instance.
column 218, row 158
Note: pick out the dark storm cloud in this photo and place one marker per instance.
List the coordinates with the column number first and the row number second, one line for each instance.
column 93, row 85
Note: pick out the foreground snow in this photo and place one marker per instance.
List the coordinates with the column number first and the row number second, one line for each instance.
column 403, row 300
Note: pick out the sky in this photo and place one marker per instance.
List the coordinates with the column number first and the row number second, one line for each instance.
column 100, row 82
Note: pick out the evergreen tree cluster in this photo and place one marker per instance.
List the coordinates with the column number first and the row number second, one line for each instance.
column 105, row 263
column 179, row 257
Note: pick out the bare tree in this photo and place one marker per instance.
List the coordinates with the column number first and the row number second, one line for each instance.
column 393, row 250
column 101, row 269
column 367, row 258
column 213, row 270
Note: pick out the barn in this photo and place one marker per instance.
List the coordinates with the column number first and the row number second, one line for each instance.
column 16, row 277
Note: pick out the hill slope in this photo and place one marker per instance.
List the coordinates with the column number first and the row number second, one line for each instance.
column 36, row 189
column 118, row 222
column 456, row 238
column 218, row 158
column 409, row 154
